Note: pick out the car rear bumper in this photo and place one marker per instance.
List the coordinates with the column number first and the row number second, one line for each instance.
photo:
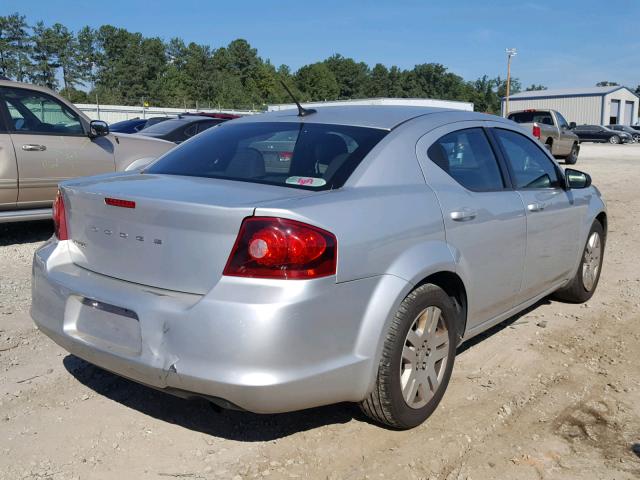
column 265, row 346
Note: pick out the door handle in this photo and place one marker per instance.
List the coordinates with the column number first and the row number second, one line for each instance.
column 463, row 215
column 32, row 147
column 536, row 207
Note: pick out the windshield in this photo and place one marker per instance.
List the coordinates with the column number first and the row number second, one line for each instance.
column 531, row 117
column 310, row 156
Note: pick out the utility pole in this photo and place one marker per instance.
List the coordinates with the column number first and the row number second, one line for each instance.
column 511, row 52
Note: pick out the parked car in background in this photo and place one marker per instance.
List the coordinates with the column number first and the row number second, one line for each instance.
column 222, row 116
column 44, row 139
column 635, row 134
column 134, row 125
column 181, row 128
column 600, row 134
column 215, row 273
column 550, row 127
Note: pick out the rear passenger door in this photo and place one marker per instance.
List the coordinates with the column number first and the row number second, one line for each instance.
column 484, row 219
column 8, row 170
column 552, row 220
column 586, row 133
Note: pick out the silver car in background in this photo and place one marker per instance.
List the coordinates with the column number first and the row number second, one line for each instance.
column 349, row 269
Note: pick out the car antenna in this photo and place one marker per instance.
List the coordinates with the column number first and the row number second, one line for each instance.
column 302, row 112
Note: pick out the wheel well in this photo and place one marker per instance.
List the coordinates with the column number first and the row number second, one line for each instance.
column 454, row 288
column 602, row 218
column 549, row 141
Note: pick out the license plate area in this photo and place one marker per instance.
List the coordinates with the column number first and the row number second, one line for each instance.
column 108, row 327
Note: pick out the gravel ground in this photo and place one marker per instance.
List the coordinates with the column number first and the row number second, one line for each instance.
column 551, row 393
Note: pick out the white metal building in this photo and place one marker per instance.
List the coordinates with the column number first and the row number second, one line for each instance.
column 592, row 105
column 117, row 113
column 414, row 102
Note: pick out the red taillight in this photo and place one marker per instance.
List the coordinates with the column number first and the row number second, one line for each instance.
column 270, row 247
column 116, row 202
column 285, row 156
column 60, row 218
column 536, row 131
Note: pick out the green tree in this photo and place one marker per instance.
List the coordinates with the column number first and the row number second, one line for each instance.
column 501, row 86
column 242, row 60
column 44, row 56
column 66, row 54
column 317, row 83
column 483, row 94
column 129, row 67
column 533, row 87
column 86, row 54
column 606, row 84
column 15, row 47
column 396, row 83
column 432, row 80
column 351, row 76
column 378, row 82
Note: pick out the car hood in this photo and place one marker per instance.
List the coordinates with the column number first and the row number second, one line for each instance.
column 129, row 148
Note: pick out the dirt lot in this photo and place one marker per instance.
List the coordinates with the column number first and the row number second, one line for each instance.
column 553, row 393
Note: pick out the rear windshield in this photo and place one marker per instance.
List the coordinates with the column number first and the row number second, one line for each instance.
column 309, row 156
column 165, row 127
column 531, row 117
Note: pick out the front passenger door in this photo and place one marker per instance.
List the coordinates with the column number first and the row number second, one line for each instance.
column 51, row 144
column 566, row 138
column 552, row 220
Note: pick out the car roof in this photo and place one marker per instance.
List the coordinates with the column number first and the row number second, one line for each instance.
column 193, row 118
column 132, row 120
column 385, row 117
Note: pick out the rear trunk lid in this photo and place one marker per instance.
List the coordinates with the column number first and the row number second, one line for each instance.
column 177, row 237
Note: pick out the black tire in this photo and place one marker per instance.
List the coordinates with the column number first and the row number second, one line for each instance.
column 572, row 158
column 576, row 291
column 386, row 404
column 614, row 139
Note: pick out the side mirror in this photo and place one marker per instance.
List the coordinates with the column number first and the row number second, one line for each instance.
column 572, row 125
column 98, row 128
column 576, row 178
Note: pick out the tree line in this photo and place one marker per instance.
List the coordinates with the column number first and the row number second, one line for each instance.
column 112, row 65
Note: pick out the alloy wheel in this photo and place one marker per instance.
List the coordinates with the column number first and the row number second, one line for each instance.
column 424, row 357
column 591, row 261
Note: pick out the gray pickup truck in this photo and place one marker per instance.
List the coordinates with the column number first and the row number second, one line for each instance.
column 550, row 127
column 44, row 139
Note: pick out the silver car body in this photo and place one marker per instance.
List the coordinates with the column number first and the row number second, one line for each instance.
column 141, row 292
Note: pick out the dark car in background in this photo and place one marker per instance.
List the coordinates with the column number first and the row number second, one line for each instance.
column 598, row 133
column 222, row 116
column 634, row 132
column 134, row 125
column 181, row 128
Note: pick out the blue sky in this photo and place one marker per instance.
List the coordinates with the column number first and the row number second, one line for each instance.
column 560, row 43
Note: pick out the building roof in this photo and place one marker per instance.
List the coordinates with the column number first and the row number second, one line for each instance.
column 412, row 102
column 568, row 92
column 374, row 116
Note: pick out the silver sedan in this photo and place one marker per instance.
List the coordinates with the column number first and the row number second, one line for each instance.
column 281, row 262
